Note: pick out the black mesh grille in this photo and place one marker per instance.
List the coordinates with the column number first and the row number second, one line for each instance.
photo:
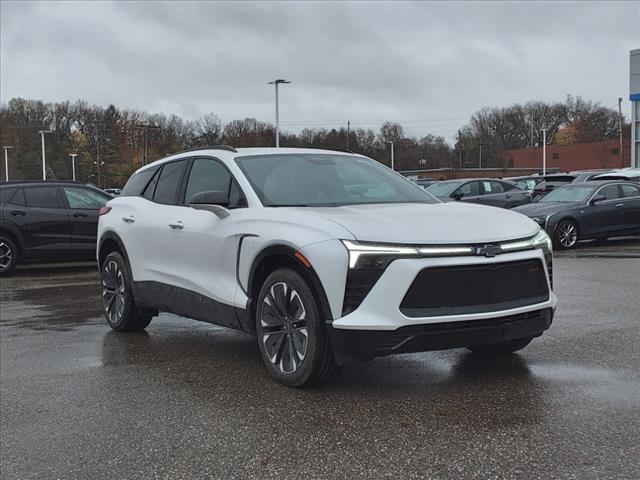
column 458, row 290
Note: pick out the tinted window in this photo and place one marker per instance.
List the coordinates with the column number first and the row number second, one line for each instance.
column 137, row 183
column 169, row 182
column 469, row 189
column 42, row 197
column 610, row 192
column 84, row 198
column 207, row 175
column 630, row 191
column 151, row 186
column 18, row 197
column 6, row 194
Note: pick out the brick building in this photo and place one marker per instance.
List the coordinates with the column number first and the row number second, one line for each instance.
column 578, row 156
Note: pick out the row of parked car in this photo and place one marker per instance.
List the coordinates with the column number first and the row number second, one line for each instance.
column 572, row 206
column 57, row 220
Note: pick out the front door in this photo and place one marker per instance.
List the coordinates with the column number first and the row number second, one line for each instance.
column 84, row 204
column 605, row 216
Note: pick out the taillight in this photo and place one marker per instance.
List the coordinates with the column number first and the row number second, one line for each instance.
column 104, row 211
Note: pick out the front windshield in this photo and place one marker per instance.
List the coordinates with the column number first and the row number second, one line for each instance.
column 442, row 189
column 326, row 180
column 568, row 194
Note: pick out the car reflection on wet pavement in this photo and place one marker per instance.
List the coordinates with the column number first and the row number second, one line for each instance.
column 190, row 400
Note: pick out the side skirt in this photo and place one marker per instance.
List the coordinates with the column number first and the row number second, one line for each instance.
column 186, row 303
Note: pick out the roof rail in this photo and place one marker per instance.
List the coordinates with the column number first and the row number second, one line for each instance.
column 50, row 180
column 227, row 148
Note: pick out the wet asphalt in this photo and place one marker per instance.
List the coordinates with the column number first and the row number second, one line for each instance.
column 190, row 400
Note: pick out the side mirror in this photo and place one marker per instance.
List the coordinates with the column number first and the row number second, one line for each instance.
column 213, row 201
column 457, row 195
column 596, row 199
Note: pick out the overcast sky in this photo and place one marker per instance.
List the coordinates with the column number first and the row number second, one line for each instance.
column 427, row 65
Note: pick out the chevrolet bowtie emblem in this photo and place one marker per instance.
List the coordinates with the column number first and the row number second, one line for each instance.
column 488, row 251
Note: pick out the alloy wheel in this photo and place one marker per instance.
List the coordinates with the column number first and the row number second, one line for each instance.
column 568, row 234
column 6, row 255
column 284, row 328
column 113, row 291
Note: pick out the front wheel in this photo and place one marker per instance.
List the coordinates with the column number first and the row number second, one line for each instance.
column 117, row 298
column 292, row 337
column 567, row 235
column 501, row 348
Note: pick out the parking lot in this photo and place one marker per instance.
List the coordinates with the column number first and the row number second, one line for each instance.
column 191, row 400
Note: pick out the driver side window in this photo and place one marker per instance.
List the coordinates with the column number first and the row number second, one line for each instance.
column 469, row 189
column 207, row 175
column 610, row 192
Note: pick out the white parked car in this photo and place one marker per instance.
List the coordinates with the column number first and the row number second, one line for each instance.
column 323, row 256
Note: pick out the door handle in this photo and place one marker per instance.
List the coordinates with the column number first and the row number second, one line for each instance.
column 177, row 225
column 18, row 213
column 508, row 195
column 77, row 215
column 620, row 205
column 129, row 219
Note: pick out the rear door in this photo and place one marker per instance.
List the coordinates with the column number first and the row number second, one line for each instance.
column 44, row 221
column 494, row 193
column 83, row 205
column 630, row 208
column 606, row 216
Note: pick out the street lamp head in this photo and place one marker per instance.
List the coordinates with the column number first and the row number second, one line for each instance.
column 7, row 146
column 45, row 131
column 278, row 81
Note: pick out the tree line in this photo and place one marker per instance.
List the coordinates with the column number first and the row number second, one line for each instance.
column 111, row 143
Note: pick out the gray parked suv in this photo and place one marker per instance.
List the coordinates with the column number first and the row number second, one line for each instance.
column 486, row 191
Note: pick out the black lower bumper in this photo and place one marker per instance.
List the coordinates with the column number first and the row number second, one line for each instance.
column 367, row 344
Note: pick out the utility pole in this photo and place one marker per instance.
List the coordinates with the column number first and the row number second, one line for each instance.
column 145, row 134
column 480, row 162
column 392, row 159
column 6, row 162
column 44, row 158
column 531, row 135
column 73, row 164
column 544, row 151
column 620, row 128
column 276, row 83
column 348, row 132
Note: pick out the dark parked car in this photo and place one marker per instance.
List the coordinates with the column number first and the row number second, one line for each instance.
column 555, row 180
column 486, row 191
column 48, row 221
column 596, row 209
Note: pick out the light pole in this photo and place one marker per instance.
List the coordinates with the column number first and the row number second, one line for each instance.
column 276, row 83
column 480, row 159
column 544, row 151
column 44, row 158
column 390, row 142
column 73, row 164
column 6, row 162
column 620, row 128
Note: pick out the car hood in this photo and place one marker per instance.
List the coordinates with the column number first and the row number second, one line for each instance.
column 542, row 209
column 424, row 223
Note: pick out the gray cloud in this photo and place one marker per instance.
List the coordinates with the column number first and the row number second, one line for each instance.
column 367, row 62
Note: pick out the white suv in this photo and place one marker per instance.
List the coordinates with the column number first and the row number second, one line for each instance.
column 323, row 256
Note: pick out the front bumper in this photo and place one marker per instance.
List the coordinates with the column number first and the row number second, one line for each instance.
column 368, row 344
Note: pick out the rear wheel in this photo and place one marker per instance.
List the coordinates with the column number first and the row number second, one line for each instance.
column 292, row 337
column 502, row 348
column 8, row 255
column 567, row 234
column 120, row 309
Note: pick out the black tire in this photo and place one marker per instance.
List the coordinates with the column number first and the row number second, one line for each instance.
column 8, row 255
column 291, row 331
column 120, row 309
column 567, row 235
column 501, row 348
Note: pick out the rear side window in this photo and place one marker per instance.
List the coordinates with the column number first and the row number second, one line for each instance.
column 137, row 182
column 18, row 198
column 6, row 194
column 630, row 191
column 492, row 187
column 167, row 189
column 42, row 197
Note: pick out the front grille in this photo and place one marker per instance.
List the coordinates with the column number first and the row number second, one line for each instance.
column 459, row 290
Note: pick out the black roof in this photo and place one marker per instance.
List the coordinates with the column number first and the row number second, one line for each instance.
column 12, row 183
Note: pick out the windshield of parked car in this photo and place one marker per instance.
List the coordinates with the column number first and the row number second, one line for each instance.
column 302, row 180
column 442, row 189
column 568, row 194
